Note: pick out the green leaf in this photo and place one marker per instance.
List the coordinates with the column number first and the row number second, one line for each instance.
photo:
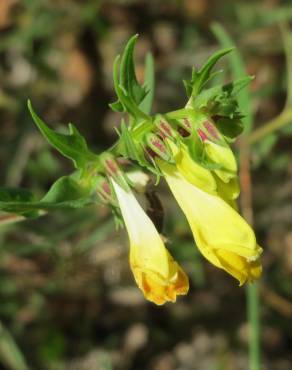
column 230, row 89
column 8, row 194
column 65, row 189
column 131, row 149
column 230, row 128
column 221, row 103
column 16, row 195
column 238, row 71
column 146, row 103
column 195, row 146
column 130, row 93
column 201, row 77
column 128, row 79
column 66, row 192
column 10, row 354
column 117, row 106
column 72, row 146
column 134, row 149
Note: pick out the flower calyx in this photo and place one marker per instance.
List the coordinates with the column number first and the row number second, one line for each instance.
column 112, row 169
column 164, row 128
column 158, row 147
column 105, row 192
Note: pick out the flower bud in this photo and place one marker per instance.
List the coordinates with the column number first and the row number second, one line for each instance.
column 104, row 191
column 158, row 147
column 216, row 148
column 110, row 164
column 112, row 169
column 213, row 133
column 186, row 124
column 164, row 129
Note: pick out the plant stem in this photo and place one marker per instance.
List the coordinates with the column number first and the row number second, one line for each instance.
column 280, row 121
column 252, row 290
column 254, row 325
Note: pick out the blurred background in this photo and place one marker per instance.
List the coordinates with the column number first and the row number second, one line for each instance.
column 67, row 296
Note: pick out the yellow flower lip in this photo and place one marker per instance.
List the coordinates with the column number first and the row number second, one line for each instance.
column 156, row 273
column 157, row 288
column 221, row 234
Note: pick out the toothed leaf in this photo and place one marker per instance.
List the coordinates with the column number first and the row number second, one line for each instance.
column 72, row 145
column 201, row 77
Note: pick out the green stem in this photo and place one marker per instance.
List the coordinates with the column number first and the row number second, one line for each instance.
column 254, row 326
column 275, row 124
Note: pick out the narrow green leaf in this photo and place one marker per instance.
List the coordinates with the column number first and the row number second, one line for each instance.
column 231, row 89
column 72, row 146
column 10, row 354
column 205, row 72
column 287, row 43
column 124, row 103
column 65, row 189
column 230, row 128
column 131, row 149
column 130, row 93
column 66, row 192
column 117, row 107
column 8, row 194
column 195, row 146
column 147, row 102
column 16, row 195
column 200, row 78
column 128, row 79
column 238, row 71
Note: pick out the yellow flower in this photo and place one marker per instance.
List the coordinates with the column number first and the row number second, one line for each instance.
column 157, row 274
column 221, row 234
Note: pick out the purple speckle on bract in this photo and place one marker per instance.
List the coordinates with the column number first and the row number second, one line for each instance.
column 211, row 129
column 106, row 188
column 111, row 166
column 202, row 134
column 165, row 130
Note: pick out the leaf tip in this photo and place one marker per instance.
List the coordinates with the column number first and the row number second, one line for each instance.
column 29, row 105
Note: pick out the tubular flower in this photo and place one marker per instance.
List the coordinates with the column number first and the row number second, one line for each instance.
column 221, row 234
column 156, row 273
